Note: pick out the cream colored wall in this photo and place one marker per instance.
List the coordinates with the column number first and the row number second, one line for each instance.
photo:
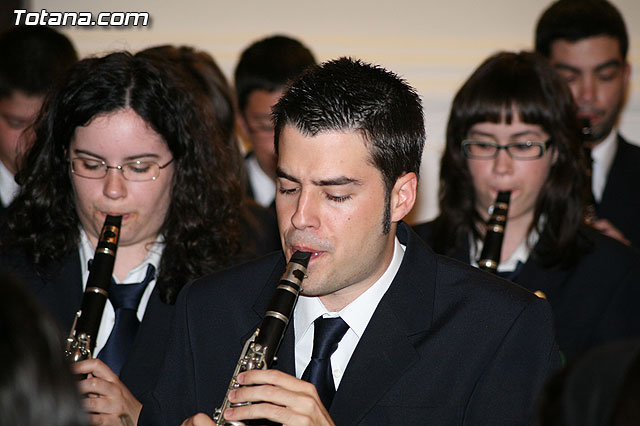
column 435, row 45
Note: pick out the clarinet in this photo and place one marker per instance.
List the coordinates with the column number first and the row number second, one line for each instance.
column 590, row 215
column 82, row 338
column 490, row 256
column 260, row 349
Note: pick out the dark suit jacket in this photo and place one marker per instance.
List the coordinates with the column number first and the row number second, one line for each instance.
column 59, row 289
column 447, row 345
column 594, row 302
column 620, row 201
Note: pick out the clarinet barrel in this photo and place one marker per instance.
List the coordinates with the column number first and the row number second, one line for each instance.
column 492, row 247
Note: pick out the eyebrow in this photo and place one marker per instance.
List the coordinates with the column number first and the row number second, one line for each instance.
column 566, row 67
column 129, row 158
column 337, row 181
column 515, row 135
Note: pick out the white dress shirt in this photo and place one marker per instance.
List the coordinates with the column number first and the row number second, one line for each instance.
column 135, row 275
column 357, row 316
column 264, row 189
column 520, row 254
column 8, row 186
column 602, row 155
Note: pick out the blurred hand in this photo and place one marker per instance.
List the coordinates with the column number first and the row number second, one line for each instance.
column 608, row 229
column 108, row 401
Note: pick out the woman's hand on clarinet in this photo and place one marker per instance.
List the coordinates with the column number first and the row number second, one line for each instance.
column 108, row 401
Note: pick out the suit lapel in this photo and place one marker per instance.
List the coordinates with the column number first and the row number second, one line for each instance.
column 387, row 347
column 61, row 289
column 384, row 349
column 535, row 276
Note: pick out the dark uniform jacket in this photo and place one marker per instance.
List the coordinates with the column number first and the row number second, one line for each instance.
column 447, row 345
column 595, row 301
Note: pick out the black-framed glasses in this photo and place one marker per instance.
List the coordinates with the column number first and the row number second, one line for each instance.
column 527, row 150
column 135, row 171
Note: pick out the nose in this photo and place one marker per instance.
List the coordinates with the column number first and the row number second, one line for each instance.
column 586, row 90
column 115, row 185
column 306, row 213
column 503, row 163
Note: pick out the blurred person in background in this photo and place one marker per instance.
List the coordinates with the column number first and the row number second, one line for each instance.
column 32, row 58
column 36, row 386
column 262, row 73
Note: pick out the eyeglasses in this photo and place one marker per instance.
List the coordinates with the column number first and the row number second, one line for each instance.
column 517, row 150
column 135, row 171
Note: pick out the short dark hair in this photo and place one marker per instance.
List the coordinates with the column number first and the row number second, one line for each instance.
column 201, row 228
column 504, row 85
column 268, row 64
column 33, row 58
column 574, row 20
column 351, row 95
column 36, row 385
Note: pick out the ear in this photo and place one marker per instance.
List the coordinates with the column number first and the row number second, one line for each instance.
column 403, row 196
column 627, row 74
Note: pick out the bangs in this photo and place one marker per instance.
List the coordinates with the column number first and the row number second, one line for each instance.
column 496, row 93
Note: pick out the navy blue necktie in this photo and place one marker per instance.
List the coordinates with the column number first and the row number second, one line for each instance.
column 125, row 299
column 326, row 336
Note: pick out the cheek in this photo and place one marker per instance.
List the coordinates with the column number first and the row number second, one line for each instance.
column 84, row 189
column 537, row 176
column 479, row 172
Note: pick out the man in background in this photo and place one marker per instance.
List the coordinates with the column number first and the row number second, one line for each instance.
column 31, row 60
column 586, row 41
column 261, row 75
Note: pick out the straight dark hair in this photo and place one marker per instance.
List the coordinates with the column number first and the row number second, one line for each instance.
column 268, row 64
column 504, row 85
column 574, row 20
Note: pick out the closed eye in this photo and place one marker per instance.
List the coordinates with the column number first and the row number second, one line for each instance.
column 89, row 164
column 522, row 146
column 287, row 191
column 138, row 166
column 338, row 198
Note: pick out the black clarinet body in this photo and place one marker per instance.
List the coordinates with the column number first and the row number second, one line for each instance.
column 82, row 338
column 590, row 214
column 492, row 247
column 261, row 348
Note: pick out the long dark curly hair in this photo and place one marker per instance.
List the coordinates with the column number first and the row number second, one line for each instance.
column 201, row 228
column 503, row 85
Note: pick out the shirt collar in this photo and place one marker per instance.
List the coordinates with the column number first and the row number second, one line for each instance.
column 602, row 156
column 605, row 151
column 153, row 257
column 520, row 254
column 358, row 313
column 264, row 189
column 8, row 186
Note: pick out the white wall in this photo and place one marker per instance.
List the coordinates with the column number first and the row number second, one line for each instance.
column 435, row 45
